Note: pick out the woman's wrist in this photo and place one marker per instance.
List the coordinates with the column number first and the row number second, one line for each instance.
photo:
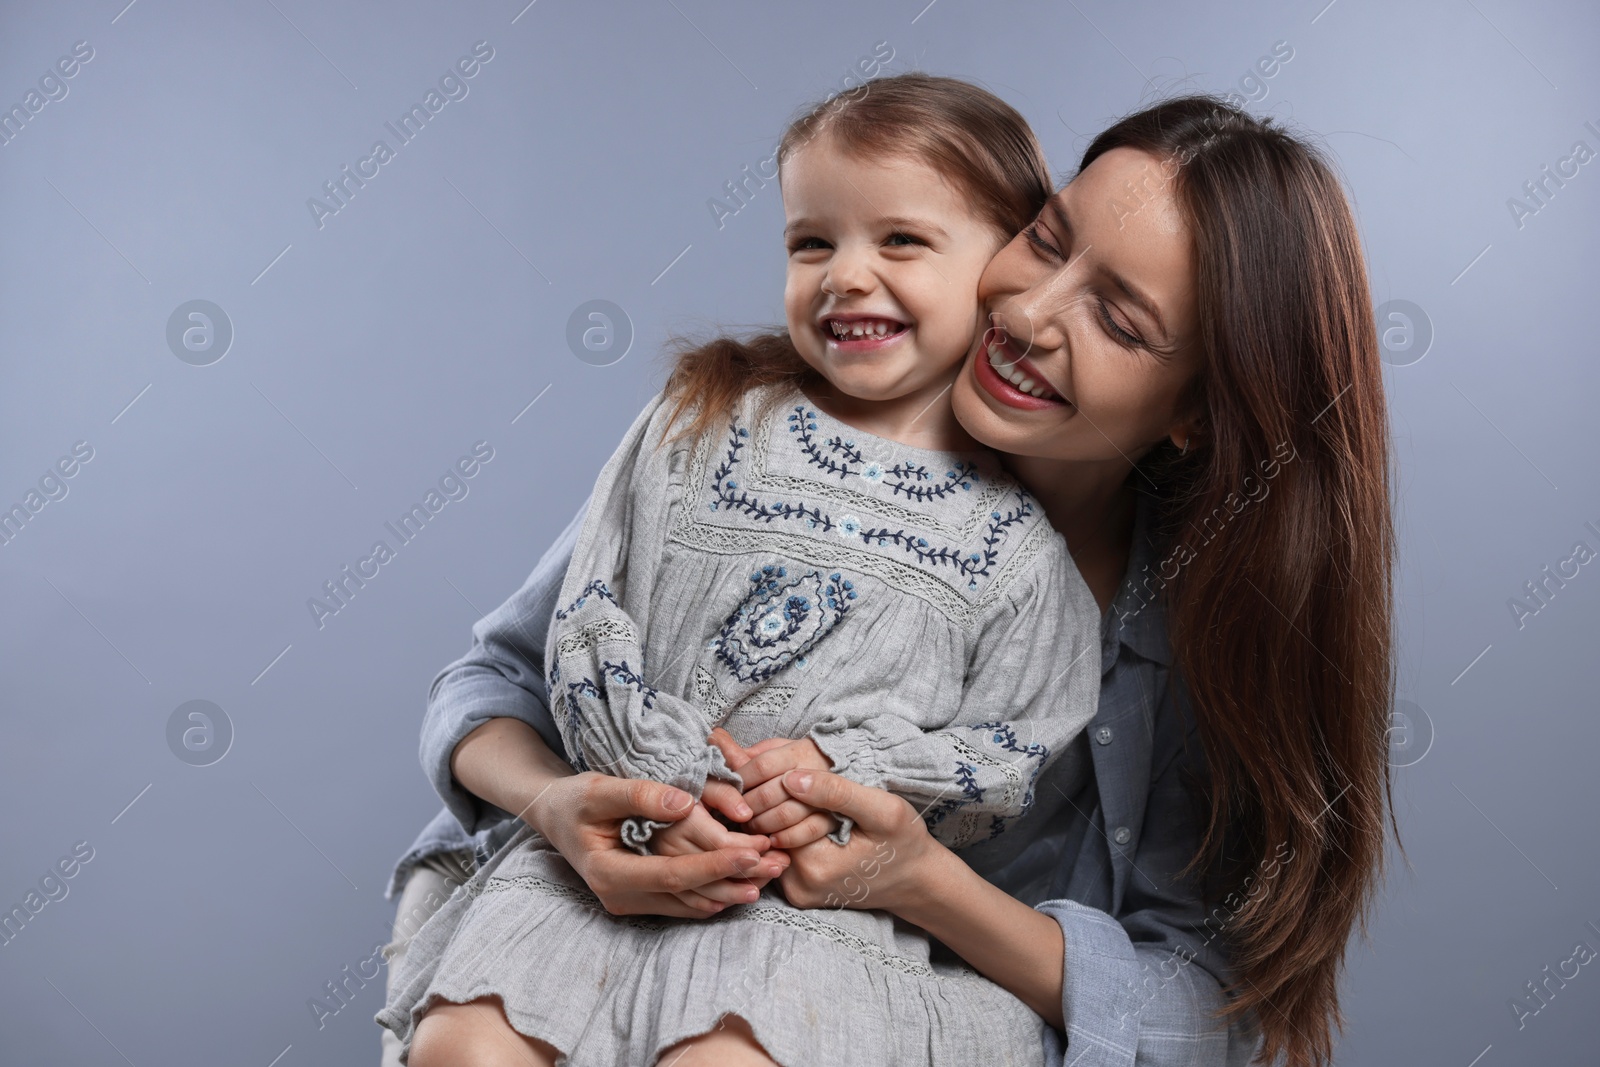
column 506, row 763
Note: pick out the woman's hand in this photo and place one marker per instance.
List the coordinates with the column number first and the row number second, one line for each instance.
column 582, row 817
column 892, row 862
column 888, row 862
column 505, row 762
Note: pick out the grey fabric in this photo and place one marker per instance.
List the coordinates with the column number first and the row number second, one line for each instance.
column 909, row 611
column 825, row 986
column 1142, row 969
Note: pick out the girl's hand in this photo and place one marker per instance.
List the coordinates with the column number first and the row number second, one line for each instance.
column 790, row 822
column 700, row 832
column 582, row 816
column 888, row 862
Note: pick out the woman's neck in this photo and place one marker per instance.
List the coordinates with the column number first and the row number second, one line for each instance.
column 1092, row 506
column 922, row 419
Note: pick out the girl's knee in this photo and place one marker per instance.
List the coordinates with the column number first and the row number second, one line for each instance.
column 475, row 1034
column 730, row 1044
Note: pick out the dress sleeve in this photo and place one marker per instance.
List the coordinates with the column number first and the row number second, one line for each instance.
column 1032, row 684
column 501, row 676
column 610, row 718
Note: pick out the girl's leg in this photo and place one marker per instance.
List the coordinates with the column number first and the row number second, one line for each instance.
column 475, row 1034
column 731, row 1044
column 428, row 888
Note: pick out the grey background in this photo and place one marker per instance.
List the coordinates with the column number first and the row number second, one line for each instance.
column 369, row 354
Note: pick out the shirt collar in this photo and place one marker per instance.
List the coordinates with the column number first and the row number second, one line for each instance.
column 1137, row 616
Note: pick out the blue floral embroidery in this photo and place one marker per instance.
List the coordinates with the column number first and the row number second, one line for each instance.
column 780, row 621
column 595, row 588
column 622, row 674
column 971, row 565
column 1003, row 736
column 802, row 423
column 967, row 779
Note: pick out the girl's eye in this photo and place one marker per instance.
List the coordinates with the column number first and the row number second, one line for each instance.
column 807, row 243
column 1036, row 238
column 1121, row 335
column 902, row 239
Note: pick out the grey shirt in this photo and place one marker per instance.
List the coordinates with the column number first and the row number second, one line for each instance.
column 1100, row 850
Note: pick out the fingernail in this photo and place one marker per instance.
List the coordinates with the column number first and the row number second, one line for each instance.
column 743, row 811
column 676, row 800
column 746, row 861
column 801, row 781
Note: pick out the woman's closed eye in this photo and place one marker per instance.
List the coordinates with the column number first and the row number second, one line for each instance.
column 1117, row 333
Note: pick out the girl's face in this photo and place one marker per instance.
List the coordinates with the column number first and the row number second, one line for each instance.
column 1092, row 315
column 884, row 260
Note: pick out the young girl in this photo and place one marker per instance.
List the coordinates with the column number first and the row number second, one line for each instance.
column 796, row 540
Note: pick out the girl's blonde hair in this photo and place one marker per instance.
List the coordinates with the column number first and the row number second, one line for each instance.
column 968, row 135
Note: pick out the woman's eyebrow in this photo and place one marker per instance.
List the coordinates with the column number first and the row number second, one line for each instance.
column 1137, row 296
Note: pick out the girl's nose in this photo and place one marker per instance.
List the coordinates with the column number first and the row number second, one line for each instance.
column 848, row 273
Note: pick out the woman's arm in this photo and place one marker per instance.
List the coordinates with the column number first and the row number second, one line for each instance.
column 907, row 872
column 506, row 763
column 1138, row 988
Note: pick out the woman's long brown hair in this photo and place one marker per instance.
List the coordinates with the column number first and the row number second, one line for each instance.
column 1280, row 610
column 972, row 138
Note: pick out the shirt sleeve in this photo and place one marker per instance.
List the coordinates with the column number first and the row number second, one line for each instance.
column 501, row 676
column 1032, row 684
column 1143, row 988
column 610, row 717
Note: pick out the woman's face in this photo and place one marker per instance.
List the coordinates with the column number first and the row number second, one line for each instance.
column 1092, row 316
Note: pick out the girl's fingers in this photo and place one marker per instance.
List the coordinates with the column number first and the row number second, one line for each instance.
column 762, row 747
column 813, row 827
column 735, row 754
column 781, row 817
column 765, row 796
column 726, row 798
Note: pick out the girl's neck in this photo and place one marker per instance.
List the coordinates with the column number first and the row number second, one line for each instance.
column 1092, row 506
column 923, row 419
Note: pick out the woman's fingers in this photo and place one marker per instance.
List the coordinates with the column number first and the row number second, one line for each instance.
column 726, row 798
column 605, row 797
column 876, row 810
column 776, row 761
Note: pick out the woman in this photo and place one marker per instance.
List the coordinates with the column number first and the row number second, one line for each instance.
column 1194, row 867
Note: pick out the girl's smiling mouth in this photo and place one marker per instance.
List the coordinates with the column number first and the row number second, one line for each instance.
column 861, row 333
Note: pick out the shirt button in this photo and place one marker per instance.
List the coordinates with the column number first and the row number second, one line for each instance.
column 1103, row 735
column 1122, row 835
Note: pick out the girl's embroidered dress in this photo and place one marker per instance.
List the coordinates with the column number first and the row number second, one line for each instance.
column 911, row 611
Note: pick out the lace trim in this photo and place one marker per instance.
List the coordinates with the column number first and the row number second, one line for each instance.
column 718, row 708
column 806, row 923
column 580, row 897
column 793, row 920
column 592, row 634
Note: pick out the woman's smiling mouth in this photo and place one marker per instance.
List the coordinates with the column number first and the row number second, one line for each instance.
column 1010, row 378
